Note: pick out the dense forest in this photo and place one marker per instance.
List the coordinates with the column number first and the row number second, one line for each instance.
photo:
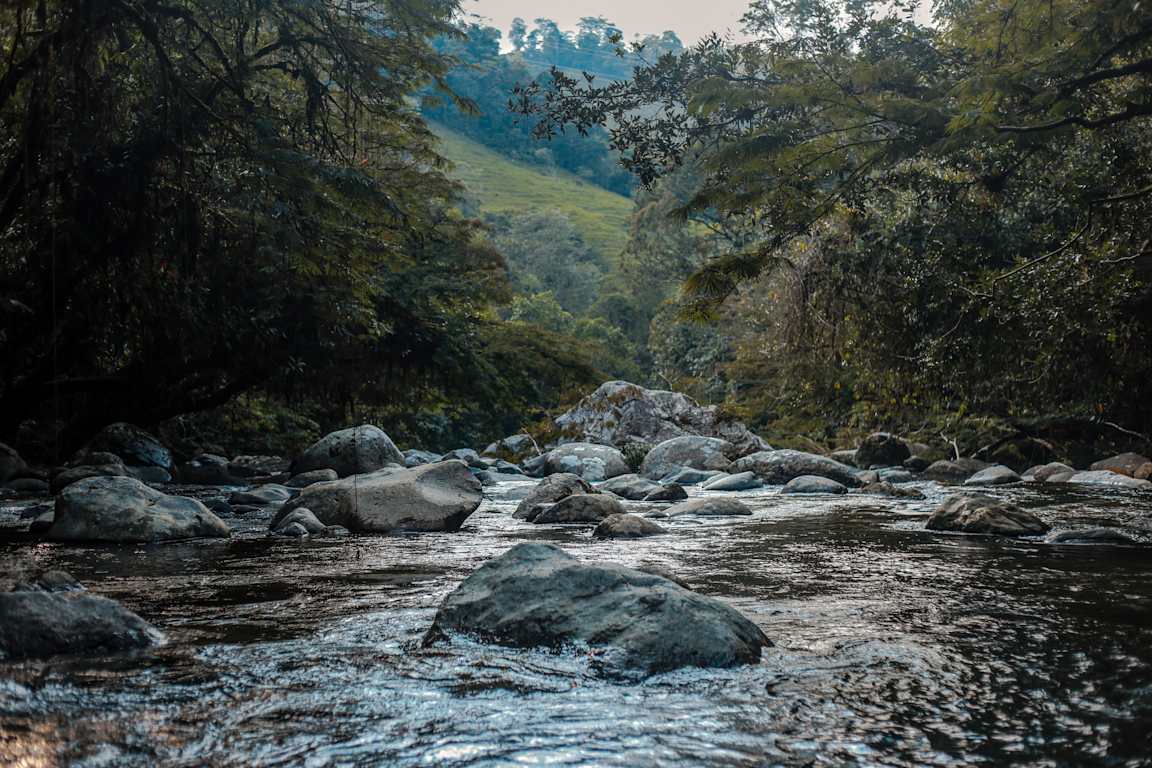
column 854, row 218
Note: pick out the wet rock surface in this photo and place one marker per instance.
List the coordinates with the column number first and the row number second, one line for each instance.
column 121, row 509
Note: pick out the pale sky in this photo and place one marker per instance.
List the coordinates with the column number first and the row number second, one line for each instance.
column 690, row 19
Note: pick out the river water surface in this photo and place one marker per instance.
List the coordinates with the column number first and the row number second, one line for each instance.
column 894, row 647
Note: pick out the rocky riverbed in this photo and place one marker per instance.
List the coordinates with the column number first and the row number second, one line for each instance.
column 893, row 644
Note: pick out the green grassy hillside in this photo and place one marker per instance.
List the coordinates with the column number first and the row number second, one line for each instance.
column 499, row 185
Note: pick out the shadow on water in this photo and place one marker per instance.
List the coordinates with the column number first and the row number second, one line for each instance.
column 894, row 646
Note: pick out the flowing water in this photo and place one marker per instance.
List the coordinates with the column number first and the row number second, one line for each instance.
column 894, row 646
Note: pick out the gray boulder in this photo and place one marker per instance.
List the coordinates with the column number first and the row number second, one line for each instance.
column 1125, row 464
column 550, row 490
column 742, row 481
column 305, row 479
column 691, row 476
column 888, row 489
column 122, row 509
column 619, row 414
column 515, row 447
column 917, row 464
column 11, row 464
column 590, row 461
column 134, row 446
column 1045, row 472
column 466, row 455
column 301, row 517
column 809, row 484
column 67, row 477
column 669, row 492
column 687, row 452
column 39, row 624
column 414, row 458
column 955, row 471
column 356, row 451
column 580, row 508
column 714, row 506
column 779, row 467
column 985, row 514
column 626, row 527
column 847, row 457
column 263, row 496
column 882, row 450
column 997, row 475
column 895, row 476
column 537, row 595
column 1106, row 477
column 632, row 487
column 258, row 466
column 434, row 497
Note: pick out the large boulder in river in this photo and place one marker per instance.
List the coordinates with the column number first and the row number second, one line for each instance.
column 134, row 446
column 39, row 624
column 1044, row 473
column 356, row 451
column 433, row 497
column 626, row 527
column 712, row 506
column 780, row 467
column 67, row 477
column 985, row 514
column 691, row 451
column 631, row 487
column 956, row 471
column 122, row 509
column 811, row 484
column 537, row 595
column 997, row 475
column 883, row 450
column 619, row 414
column 1125, row 464
column 580, row 508
column 591, row 462
column 11, row 465
column 742, row 481
column 1108, row 477
column 549, row 491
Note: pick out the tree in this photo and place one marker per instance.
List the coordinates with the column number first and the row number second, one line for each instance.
column 517, row 34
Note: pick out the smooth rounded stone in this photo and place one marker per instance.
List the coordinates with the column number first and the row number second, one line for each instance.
column 743, row 481
column 780, row 467
column 955, row 471
column 895, row 476
column 134, row 446
column 76, row 474
column 997, row 475
column 414, row 458
column 434, row 497
column 882, row 449
column 888, row 489
column 150, row 475
column 305, row 479
column 11, row 463
column 631, row 487
column 550, row 490
column 1108, row 477
column 263, row 496
column 713, row 506
column 486, row 478
column 31, row 485
column 122, row 509
column 1123, row 464
column 687, row 452
column 466, row 455
column 627, row 527
column 985, row 514
column 1091, row 536
column 670, row 492
column 688, row 476
column 806, row 484
column 917, row 464
column 258, row 466
column 619, row 413
column 1144, row 472
column 590, row 461
column 1062, row 477
column 1045, row 472
column 847, row 457
column 209, row 469
column 580, row 508
column 356, row 451
column 39, row 624
column 537, row 595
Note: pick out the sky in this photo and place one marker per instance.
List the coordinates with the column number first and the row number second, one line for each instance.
column 690, row 19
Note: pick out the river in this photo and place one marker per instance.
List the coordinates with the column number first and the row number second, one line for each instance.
column 894, row 647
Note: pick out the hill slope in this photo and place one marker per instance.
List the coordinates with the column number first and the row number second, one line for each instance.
column 498, row 184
